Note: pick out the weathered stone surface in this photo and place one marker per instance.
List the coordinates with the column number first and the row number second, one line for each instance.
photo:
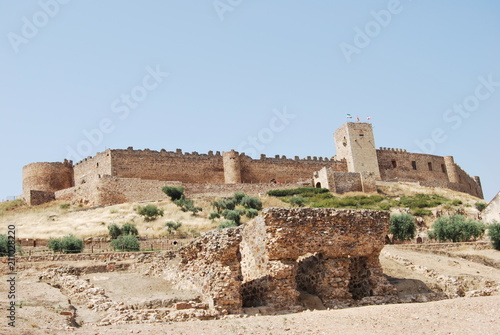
column 330, row 253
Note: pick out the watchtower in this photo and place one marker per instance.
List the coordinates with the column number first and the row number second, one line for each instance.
column 355, row 143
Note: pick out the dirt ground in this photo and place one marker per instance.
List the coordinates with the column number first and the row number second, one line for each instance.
column 466, row 273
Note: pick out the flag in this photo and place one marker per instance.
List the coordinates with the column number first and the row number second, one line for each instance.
column 349, row 116
column 357, row 118
column 368, row 117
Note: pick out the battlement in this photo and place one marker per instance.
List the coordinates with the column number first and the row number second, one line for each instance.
column 392, row 149
column 355, row 164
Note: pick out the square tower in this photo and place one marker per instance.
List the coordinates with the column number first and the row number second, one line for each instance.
column 355, row 143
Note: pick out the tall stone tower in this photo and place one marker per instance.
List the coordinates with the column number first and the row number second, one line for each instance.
column 355, row 143
column 232, row 167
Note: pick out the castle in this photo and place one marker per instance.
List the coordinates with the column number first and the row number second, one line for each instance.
column 118, row 176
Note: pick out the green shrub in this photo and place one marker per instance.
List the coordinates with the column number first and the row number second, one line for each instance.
column 457, row 228
column 214, row 215
column 129, row 229
column 421, row 212
column 114, row 230
column 4, row 245
column 232, row 215
column 402, row 226
column 456, row 202
column 238, row 196
column 297, row 201
column 422, row 201
column 173, row 225
column 251, row 213
column 174, row 192
column 54, row 244
column 480, row 206
column 227, row 224
column 150, row 212
column 71, row 244
column 251, row 202
column 126, row 243
column 295, row 191
column 494, row 234
column 384, row 206
column 223, row 204
column 187, row 205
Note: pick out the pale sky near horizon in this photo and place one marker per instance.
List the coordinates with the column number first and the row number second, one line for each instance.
column 261, row 77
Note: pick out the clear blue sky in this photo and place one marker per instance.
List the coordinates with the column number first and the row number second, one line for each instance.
column 68, row 67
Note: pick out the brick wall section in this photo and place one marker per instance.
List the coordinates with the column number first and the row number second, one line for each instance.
column 211, row 265
column 404, row 168
column 91, row 169
column 284, row 170
column 171, row 166
column 40, row 197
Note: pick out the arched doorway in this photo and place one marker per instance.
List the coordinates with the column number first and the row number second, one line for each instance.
column 318, row 185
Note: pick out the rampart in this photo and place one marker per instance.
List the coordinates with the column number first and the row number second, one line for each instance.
column 429, row 170
column 330, row 253
column 116, row 176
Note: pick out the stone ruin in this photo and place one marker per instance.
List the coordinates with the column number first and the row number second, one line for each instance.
column 270, row 261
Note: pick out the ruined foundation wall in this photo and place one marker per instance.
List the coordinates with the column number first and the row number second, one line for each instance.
column 211, row 265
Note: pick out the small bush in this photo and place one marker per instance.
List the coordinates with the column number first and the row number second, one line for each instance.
column 71, row 244
column 126, row 243
column 251, row 202
column 480, row 206
column 114, row 230
column 494, row 234
column 173, row 225
column 227, row 224
column 175, row 193
column 223, row 204
column 456, row 202
column 64, row 206
column 187, row 205
column 214, row 215
column 402, row 226
column 54, row 244
column 232, row 215
column 150, row 212
column 297, row 201
column 457, row 228
column 238, row 196
column 251, row 213
column 295, row 191
column 129, row 229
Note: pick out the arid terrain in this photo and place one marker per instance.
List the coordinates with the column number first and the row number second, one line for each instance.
column 454, row 290
column 442, row 288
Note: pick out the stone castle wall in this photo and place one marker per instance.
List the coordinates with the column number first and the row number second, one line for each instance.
column 137, row 173
column 429, row 170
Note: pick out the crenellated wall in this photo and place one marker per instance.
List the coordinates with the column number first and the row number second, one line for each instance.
column 114, row 176
column 284, row 170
